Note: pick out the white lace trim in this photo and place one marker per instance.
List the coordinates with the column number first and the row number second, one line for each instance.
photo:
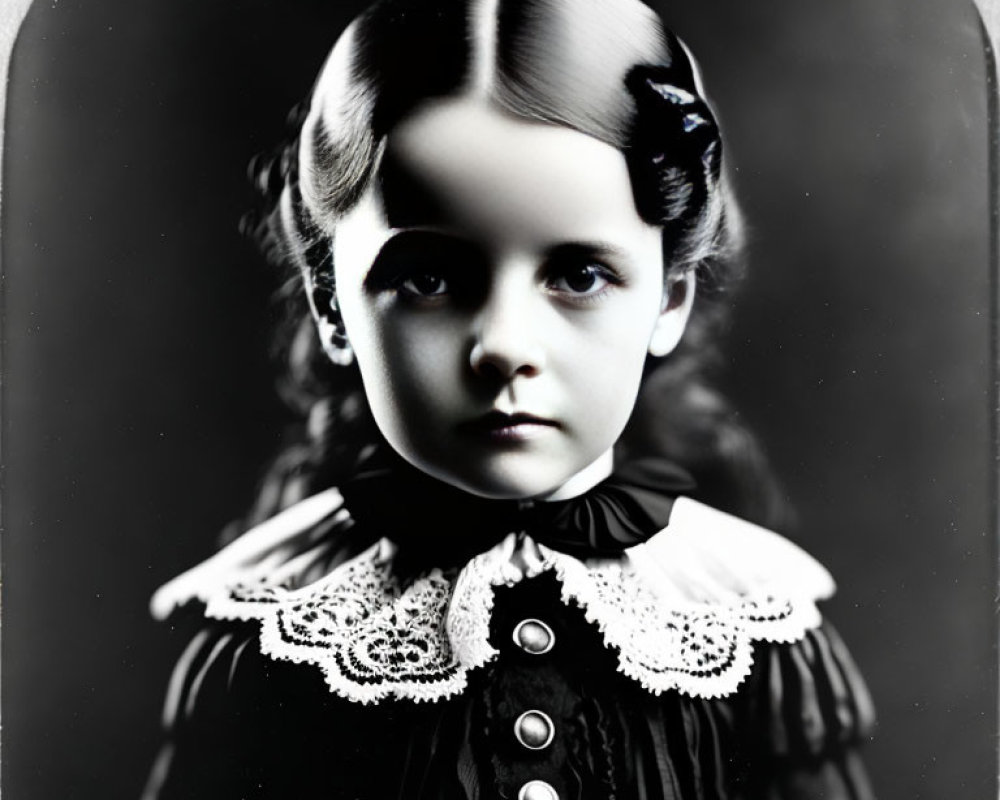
column 701, row 649
column 679, row 612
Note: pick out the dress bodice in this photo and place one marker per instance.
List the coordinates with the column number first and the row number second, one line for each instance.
column 693, row 667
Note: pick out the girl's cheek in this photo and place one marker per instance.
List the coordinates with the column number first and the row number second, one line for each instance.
column 420, row 354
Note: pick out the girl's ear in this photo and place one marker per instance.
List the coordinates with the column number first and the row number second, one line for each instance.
column 678, row 298
column 329, row 323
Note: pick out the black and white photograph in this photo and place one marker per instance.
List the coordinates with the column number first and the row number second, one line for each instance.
column 499, row 400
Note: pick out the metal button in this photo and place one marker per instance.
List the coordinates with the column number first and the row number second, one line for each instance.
column 534, row 730
column 537, row 790
column 534, row 636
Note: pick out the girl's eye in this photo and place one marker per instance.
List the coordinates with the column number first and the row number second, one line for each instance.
column 424, row 284
column 581, row 279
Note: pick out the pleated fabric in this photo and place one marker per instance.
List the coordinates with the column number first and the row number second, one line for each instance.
column 240, row 725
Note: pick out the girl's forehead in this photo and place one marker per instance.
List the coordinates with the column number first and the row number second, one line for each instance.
column 466, row 163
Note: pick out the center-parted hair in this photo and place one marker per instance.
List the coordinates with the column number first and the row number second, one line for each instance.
column 605, row 68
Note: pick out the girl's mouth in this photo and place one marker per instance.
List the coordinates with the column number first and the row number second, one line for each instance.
column 497, row 426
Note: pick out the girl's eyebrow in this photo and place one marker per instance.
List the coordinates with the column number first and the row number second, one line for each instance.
column 411, row 247
column 586, row 249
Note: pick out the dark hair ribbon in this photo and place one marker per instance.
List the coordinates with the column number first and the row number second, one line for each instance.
column 675, row 151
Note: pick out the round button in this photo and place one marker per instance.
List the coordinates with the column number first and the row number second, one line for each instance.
column 534, row 730
column 534, row 636
column 537, row 790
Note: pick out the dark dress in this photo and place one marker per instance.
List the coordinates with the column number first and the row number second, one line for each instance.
column 242, row 725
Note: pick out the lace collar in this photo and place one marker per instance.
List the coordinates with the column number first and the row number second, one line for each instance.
column 681, row 610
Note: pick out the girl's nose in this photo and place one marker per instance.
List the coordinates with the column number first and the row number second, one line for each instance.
column 507, row 340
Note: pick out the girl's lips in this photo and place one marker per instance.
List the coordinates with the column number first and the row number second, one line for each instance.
column 497, row 426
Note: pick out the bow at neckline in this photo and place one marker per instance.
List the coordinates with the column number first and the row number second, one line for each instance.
column 435, row 524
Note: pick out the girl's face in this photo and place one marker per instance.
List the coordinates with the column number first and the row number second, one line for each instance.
column 501, row 294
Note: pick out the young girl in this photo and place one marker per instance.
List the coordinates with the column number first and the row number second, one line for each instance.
column 471, row 581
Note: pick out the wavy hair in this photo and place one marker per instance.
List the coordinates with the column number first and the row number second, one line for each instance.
column 606, row 68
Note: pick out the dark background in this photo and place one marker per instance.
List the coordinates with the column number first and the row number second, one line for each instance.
column 138, row 401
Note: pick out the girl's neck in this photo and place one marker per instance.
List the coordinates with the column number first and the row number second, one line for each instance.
column 584, row 480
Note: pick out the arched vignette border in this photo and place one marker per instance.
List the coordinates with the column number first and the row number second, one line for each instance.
column 13, row 12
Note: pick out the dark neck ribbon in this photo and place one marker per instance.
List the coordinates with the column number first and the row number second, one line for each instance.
column 436, row 524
